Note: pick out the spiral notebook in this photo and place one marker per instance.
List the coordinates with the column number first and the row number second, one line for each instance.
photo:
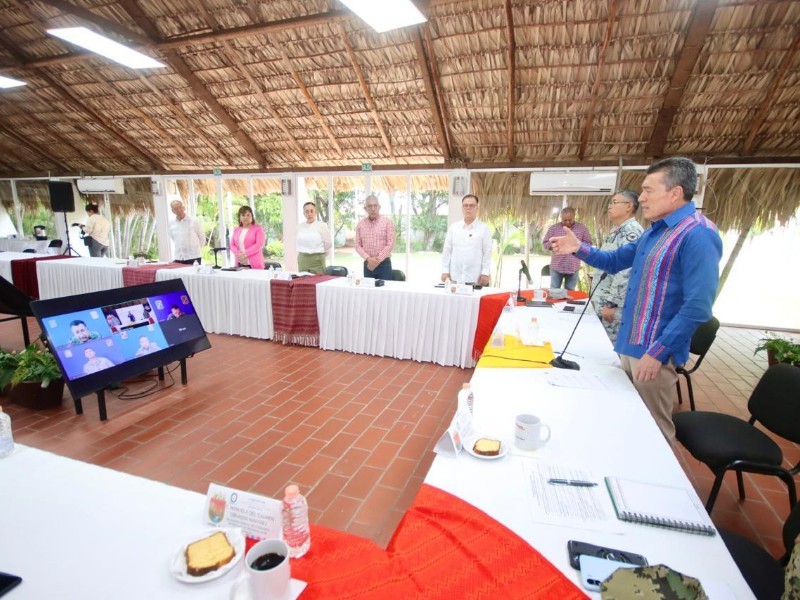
column 658, row 505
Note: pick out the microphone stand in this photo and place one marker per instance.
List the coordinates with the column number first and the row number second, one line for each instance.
column 559, row 361
column 519, row 287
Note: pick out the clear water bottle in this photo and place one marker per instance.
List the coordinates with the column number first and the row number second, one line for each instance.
column 296, row 532
column 6, row 439
column 466, row 397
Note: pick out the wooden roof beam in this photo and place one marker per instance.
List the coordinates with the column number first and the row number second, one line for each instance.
column 512, row 79
column 598, row 78
column 766, row 104
column 373, row 109
column 23, row 142
column 427, row 80
column 309, row 100
column 697, row 29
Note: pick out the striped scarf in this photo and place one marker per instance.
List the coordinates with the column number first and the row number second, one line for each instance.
column 657, row 269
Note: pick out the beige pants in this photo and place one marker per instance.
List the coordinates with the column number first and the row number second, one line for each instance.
column 658, row 394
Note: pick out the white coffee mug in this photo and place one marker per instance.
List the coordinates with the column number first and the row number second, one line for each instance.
column 538, row 295
column 272, row 584
column 528, row 432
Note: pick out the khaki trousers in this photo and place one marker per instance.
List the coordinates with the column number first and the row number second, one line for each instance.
column 658, row 394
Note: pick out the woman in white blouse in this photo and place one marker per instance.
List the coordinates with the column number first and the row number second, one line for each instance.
column 313, row 241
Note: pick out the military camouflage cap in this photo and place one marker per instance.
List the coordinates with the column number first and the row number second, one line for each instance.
column 792, row 582
column 657, row 582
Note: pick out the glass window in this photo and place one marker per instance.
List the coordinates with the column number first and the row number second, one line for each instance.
column 429, row 205
column 392, row 193
column 34, row 203
column 348, row 209
column 268, row 210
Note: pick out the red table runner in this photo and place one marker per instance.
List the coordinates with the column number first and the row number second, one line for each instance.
column 294, row 310
column 145, row 273
column 443, row 548
column 23, row 273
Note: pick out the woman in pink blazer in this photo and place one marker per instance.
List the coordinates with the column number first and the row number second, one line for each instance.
column 247, row 241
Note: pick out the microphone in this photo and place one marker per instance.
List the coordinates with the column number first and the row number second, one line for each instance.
column 526, row 272
column 523, row 270
column 559, row 361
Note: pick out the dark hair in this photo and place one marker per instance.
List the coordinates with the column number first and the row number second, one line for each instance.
column 631, row 197
column 246, row 209
column 470, row 196
column 311, row 203
column 77, row 322
column 678, row 171
column 92, row 207
column 567, row 209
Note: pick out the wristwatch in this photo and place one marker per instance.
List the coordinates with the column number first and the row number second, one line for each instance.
column 609, row 305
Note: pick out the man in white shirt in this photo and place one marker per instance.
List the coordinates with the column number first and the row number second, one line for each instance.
column 95, row 232
column 186, row 234
column 467, row 253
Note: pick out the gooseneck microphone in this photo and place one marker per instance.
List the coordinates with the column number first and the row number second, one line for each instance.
column 523, row 271
column 559, row 361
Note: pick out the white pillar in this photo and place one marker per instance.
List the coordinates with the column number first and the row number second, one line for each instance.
column 161, row 215
column 289, row 205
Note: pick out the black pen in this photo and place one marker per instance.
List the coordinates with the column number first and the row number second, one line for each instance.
column 572, row 482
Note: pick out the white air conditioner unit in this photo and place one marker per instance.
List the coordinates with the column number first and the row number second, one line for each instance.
column 101, row 185
column 579, row 183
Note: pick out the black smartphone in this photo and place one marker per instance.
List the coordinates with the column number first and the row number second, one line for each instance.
column 8, row 582
column 578, row 302
column 576, row 548
column 568, row 309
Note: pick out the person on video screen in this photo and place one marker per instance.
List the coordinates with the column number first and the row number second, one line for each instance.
column 95, row 363
column 113, row 322
column 146, row 346
column 175, row 312
column 81, row 333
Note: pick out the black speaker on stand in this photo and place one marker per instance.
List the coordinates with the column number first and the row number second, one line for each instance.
column 62, row 200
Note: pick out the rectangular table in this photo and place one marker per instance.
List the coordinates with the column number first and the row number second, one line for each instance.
column 607, row 432
column 232, row 302
column 80, row 275
column 20, row 244
column 401, row 320
column 5, row 262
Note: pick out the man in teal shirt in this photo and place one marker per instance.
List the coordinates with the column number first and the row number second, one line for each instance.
column 673, row 283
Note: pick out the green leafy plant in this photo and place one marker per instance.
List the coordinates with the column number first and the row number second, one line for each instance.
column 33, row 364
column 782, row 349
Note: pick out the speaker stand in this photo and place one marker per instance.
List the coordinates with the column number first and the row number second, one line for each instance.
column 69, row 250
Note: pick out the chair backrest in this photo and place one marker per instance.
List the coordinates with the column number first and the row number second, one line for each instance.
column 274, row 265
column 398, row 275
column 703, row 337
column 546, row 271
column 775, row 402
column 13, row 301
column 336, row 270
column 30, row 250
column 55, row 244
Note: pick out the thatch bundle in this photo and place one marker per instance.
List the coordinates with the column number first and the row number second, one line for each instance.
column 740, row 197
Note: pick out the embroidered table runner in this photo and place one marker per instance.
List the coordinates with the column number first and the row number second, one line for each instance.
column 294, row 310
column 23, row 273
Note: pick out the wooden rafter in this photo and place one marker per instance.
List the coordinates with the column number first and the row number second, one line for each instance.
column 309, row 99
column 512, row 79
column 766, row 104
column 697, row 29
column 437, row 84
column 373, row 109
column 598, row 78
column 23, row 142
column 427, row 80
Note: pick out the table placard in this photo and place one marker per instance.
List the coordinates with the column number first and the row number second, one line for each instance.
column 460, row 429
column 258, row 516
column 464, row 289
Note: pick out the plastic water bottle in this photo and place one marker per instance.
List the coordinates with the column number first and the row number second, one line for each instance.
column 533, row 332
column 511, row 304
column 296, row 532
column 6, row 439
column 466, row 397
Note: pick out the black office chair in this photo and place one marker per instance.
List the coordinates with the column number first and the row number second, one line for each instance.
column 55, row 244
column 13, row 301
column 763, row 573
column 398, row 275
column 336, row 271
column 544, row 273
column 702, row 340
column 274, row 265
column 30, row 250
column 726, row 443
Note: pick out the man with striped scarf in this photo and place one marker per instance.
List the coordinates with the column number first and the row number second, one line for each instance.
column 674, row 276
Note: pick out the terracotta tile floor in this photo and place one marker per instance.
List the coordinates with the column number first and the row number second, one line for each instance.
column 355, row 432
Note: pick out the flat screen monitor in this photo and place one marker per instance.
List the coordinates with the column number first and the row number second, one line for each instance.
column 106, row 337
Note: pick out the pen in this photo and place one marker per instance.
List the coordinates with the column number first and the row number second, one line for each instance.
column 572, row 482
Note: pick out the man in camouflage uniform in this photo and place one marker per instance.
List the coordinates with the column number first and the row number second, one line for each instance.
column 610, row 294
column 657, row 582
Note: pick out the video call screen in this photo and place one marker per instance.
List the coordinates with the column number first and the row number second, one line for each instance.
column 92, row 340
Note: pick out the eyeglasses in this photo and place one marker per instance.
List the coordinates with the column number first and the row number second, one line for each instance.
column 469, row 206
column 613, row 202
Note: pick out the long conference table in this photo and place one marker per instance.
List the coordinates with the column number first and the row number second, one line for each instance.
column 90, row 532
column 7, row 257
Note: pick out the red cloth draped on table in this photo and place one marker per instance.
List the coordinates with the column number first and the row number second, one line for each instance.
column 443, row 548
column 294, row 310
column 23, row 273
column 489, row 313
column 145, row 273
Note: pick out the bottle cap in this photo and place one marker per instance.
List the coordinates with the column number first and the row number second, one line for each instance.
column 292, row 491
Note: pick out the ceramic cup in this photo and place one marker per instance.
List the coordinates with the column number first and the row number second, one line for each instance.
column 539, row 295
column 272, row 584
column 529, row 432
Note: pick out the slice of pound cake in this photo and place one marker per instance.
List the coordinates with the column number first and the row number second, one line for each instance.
column 486, row 447
column 208, row 554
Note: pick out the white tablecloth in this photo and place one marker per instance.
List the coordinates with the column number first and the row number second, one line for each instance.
column 75, row 530
column 18, row 245
column 232, row 302
column 606, row 432
column 5, row 262
column 78, row 276
column 400, row 320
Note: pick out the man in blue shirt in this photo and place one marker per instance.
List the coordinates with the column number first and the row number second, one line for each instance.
column 674, row 276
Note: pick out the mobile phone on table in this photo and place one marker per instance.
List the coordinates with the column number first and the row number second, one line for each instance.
column 577, row 302
column 576, row 549
column 568, row 309
column 595, row 571
column 8, row 582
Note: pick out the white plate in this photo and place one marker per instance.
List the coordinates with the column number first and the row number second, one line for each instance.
column 241, row 590
column 468, row 447
column 178, row 565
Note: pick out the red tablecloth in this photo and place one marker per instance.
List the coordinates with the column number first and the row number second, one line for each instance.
column 23, row 273
column 145, row 273
column 294, row 310
column 443, row 548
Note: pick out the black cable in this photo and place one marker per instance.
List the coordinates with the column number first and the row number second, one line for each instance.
column 153, row 389
column 538, row 362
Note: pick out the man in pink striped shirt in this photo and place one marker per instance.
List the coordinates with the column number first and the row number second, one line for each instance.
column 375, row 241
column 564, row 267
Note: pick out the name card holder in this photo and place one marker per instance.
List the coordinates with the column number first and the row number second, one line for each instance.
column 258, row 516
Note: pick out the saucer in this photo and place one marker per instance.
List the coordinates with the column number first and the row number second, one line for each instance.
column 241, row 590
column 503, row 450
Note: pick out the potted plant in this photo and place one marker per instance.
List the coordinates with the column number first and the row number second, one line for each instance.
column 31, row 377
column 779, row 350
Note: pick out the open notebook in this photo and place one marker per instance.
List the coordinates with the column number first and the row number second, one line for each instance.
column 658, row 505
